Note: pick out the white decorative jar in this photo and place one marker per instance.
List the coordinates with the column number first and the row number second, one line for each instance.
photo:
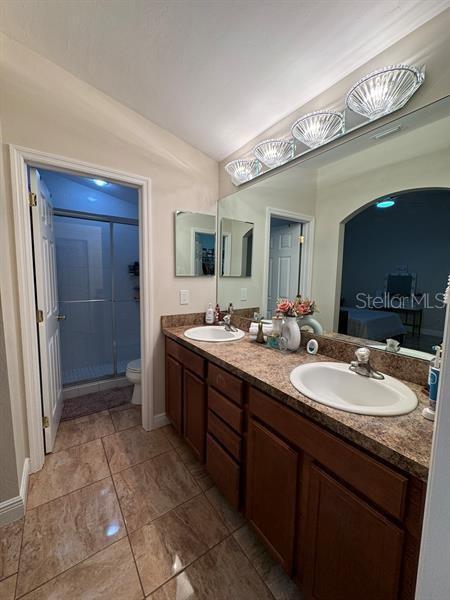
column 291, row 332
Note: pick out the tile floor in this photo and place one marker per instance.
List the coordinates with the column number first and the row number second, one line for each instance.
column 118, row 513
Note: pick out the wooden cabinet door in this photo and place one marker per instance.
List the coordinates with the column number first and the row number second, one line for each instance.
column 352, row 551
column 174, row 393
column 194, row 400
column 272, row 472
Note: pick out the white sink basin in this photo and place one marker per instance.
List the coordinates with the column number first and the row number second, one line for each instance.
column 213, row 333
column 335, row 385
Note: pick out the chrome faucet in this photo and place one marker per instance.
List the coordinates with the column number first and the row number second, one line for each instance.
column 227, row 323
column 362, row 366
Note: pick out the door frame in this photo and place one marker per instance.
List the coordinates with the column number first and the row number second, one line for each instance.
column 20, row 158
column 306, row 264
column 195, row 230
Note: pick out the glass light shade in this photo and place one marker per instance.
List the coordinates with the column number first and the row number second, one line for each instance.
column 317, row 128
column 273, row 153
column 243, row 170
column 384, row 91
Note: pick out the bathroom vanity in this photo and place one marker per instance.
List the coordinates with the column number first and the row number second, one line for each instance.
column 322, row 488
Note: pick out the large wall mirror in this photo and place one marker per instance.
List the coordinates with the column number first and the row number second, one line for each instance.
column 195, row 244
column 363, row 229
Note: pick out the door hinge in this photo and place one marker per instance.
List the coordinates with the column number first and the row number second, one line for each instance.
column 39, row 316
column 32, row 199
column 301, row 239
column 45, row 422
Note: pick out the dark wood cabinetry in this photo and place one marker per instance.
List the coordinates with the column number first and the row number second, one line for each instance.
column 353, row 552
column 225, row 433
column 186, row 396
column 194, row 413
column 272, row 468
column 174, row 392
column 341, row 522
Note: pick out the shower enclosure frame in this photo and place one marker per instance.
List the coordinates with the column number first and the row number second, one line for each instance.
column 29, row 379
column 74, row 214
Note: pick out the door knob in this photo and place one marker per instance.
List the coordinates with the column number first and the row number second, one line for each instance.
column 61, row 317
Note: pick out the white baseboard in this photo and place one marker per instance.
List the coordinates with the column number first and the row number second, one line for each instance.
column 160, row 420
column 95, row 386
column 14, row 508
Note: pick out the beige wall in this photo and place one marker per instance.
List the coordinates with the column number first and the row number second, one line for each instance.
column 428, row 45
column 11, row 380
column 45, row 108
column 9, row 481
column 415, row 159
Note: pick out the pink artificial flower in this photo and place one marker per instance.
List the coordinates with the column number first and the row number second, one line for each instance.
column 284, row 305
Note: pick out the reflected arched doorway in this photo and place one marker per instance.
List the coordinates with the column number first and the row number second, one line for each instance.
column 396, row 261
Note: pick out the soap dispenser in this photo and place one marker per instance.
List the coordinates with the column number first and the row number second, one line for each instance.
column 209, row 316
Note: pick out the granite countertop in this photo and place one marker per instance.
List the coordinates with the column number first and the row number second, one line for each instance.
column 404, row 441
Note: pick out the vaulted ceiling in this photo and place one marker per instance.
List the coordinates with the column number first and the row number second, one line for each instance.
column 213, row 72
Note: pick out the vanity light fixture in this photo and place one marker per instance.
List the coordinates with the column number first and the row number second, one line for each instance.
column 375, row 95
column 273, row 153
column 384, row 91
column 242, row 170
column 317, row 128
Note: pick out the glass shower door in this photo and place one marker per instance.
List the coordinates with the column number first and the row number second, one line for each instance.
column 84, row 269
column 126, row 294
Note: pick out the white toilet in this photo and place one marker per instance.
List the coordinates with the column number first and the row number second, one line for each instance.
column 133, row 375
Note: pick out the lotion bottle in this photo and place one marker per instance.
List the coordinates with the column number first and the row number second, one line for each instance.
column 209, row 316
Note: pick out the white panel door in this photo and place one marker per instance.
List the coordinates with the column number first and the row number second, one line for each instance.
column 284, row 263
column 47, row 302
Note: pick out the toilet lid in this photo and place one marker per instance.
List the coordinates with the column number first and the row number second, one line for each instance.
column 134, row 365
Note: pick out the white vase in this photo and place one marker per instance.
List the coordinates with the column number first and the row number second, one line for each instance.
column 312, row 323
column 291, row 332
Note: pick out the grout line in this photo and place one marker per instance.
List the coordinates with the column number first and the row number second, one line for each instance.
column 226, row 537
column 70, row 568
column 140, row 462
column 76, row 445
column 67, row 493
column 263, row 581
column 126, row 529
column 20, row 553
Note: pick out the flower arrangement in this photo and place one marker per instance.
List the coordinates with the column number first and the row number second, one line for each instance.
column 299, row 307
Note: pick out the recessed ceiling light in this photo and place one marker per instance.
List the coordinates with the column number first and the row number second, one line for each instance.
column 100, row 182
column 385, row 203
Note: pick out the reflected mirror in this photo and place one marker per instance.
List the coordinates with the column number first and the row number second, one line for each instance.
column 195, row 244
column 236, row 251
column 360, row 228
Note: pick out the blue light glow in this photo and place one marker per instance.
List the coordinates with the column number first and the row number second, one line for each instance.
column 385, row 203
column 100, row 182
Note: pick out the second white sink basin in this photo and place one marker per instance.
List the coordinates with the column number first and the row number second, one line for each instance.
column 335, row 385
column 213, row 333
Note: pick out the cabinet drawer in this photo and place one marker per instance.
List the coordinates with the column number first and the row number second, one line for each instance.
column 190, row 360
column 380, row 484
column 223, row 470
column 226, row 383
column 226, row 410
column 220, row 430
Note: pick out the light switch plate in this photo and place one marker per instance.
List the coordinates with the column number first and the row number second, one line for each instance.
column 243, row 294
column 184, row 296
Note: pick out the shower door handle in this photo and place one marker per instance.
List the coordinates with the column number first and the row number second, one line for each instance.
column 60, row 317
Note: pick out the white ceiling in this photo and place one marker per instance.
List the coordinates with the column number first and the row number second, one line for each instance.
column 213, row 72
